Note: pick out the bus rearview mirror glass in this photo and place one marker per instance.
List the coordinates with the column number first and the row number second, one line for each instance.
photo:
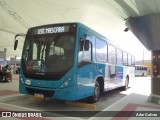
column 86, row 47
column 15, row 44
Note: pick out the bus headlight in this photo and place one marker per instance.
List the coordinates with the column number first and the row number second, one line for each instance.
column 28, row 82
column 66, row 82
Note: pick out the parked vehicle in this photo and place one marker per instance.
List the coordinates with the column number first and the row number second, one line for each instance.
column 70, row 61
column 3, row 62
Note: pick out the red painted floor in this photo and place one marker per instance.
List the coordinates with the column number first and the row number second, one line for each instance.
column 7, row 92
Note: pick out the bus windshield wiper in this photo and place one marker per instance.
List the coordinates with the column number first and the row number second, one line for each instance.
column 40, row 73
column 42, row 57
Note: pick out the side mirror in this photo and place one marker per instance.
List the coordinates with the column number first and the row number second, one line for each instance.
column 84, row 43
column 86, row 46
column 15, row 44
column 81, row 44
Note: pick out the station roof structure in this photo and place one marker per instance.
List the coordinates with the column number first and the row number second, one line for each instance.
column 105, row 16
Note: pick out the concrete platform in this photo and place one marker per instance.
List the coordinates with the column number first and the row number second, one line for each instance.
column 131, row 107
column 128, row 105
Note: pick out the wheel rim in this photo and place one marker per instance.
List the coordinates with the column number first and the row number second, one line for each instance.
column 96, row 91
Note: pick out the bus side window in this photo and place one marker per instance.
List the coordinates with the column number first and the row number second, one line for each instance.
column 111, row 54
column 101, row 50
column 119, row 57
column 133, row 61
column 125, row 58
column 85, row 51
column 129, row 60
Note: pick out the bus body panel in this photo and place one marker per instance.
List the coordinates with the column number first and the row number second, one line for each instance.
column 79, row 81
column 68, row 93
column 55, row 87
column 85, row 81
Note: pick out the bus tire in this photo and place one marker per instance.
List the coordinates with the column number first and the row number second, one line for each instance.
column 125, row 87
column 96, row 95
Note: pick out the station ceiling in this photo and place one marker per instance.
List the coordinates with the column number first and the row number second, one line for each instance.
column 105, row 16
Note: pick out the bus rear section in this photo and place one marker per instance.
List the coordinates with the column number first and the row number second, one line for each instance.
column 141, row 71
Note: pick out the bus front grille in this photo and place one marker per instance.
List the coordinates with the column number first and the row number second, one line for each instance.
column 46, row 93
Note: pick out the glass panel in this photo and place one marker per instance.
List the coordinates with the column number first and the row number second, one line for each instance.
column 119, row 56
column 88, row 53
column 111, row 54
column 84, row 54
column 101, row 51
column 133, row 60
column 129, row 60
column 48, row 53
column 34, row 52
column 125, row 62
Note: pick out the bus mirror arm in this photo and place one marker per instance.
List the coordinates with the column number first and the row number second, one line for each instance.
column 84, row 62
column 16, row 41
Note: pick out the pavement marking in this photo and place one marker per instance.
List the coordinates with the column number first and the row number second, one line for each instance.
column 128, row 107
column 98, row 114
column 84, row 105
column 115, row 103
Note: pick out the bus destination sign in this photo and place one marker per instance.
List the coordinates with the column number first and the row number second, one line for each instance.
column 53, row 30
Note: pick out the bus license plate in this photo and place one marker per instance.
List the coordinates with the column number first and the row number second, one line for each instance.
column 37, row 95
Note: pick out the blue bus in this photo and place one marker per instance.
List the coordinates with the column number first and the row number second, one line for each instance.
column 70, row 61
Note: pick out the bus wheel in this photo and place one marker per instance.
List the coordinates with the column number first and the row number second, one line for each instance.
column 126, row 83
column 96, row 95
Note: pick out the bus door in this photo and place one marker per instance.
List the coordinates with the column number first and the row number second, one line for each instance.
column 111, row 77
column 85, row 72
column 111, row 68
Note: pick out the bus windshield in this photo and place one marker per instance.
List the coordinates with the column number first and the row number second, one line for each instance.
column 48, row 54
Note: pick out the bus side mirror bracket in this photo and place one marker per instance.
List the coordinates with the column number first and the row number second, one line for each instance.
column 16, row 41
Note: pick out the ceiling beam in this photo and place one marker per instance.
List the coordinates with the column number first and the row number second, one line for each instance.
column 13, row 14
